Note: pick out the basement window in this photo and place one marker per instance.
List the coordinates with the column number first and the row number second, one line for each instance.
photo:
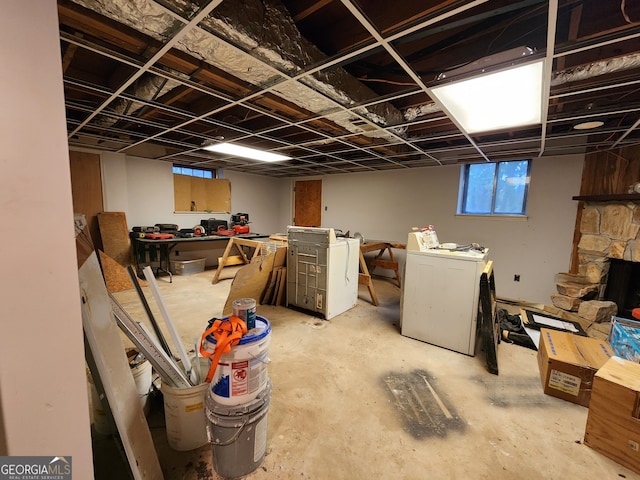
column 498, row 188
column 194, row 172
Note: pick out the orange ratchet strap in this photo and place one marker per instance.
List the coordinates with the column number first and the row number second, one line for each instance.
column 227, row 334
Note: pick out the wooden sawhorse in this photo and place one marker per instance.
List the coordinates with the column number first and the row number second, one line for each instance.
column 244, row 259
column 364, row 277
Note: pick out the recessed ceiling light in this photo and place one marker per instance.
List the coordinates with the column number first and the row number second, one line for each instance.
column 492, row 101
column 246, row 152
column 588, row 125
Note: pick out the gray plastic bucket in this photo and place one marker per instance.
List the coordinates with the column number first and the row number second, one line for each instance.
column 238, row 434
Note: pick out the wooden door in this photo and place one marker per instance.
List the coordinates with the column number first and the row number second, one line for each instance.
column 86, row 188
column 307, row 206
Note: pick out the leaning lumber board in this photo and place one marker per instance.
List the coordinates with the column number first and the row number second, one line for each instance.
column 268, row 293
column 281, row 287
column 108, row 352
column 115, row 275
column 115, row 237
column 274, row 296
column 250, row 281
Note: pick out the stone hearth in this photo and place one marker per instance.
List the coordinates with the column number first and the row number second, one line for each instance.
column 608, row 230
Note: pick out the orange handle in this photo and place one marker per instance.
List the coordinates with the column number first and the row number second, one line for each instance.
column 227, row 334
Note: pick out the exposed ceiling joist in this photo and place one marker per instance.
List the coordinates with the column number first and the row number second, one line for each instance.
column 340, row 86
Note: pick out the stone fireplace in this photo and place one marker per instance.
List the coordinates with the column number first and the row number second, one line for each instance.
column 609, row 251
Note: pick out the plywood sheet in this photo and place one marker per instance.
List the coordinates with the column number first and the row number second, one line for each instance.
column 86, row 189
column 218, row 195
column 115, row 275
column 115, row 237
column 182, row 193
column 250, row 281
column 208, row 194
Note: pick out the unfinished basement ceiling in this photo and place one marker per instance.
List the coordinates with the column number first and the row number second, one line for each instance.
column 338, row 85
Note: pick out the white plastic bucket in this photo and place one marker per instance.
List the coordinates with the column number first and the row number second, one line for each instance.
column 142, row 376
column 242, row 373
column 142, row 373
column 238, row 434
column 184, row 414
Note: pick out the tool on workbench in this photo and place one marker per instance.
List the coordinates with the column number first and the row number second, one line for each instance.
column 240, row 223
column 212, row 225
column 159, row 236
column 225, row 231
column 145, row 229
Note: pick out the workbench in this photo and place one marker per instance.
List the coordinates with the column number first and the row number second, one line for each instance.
column 160, row 250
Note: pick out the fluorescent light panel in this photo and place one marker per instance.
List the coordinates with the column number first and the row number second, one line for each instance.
column 246, row 152
column 494, row 101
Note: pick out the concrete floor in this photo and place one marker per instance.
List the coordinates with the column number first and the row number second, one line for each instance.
column 339, row 406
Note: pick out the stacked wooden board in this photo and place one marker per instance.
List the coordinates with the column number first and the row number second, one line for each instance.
column 276, row 288
column 253, row 280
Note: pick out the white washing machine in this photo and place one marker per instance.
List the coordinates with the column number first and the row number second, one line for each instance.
column 440, row 294
column 322, row 271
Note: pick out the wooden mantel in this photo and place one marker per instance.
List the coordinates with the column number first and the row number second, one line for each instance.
column 606, row 177
column 608, row 198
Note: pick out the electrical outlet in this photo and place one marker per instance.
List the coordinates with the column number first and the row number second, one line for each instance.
column 516, row 278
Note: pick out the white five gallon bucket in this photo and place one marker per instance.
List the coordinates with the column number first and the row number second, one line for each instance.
column 238, row 434
column 184, row 414
column 142, row 376
column 242, row 373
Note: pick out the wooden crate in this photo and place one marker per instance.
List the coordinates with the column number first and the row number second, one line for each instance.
column 613, row 423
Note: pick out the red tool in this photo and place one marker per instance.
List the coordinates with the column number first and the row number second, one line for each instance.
column 240, row 223
column 223, row 231
column 239, row 229
column 159, row 236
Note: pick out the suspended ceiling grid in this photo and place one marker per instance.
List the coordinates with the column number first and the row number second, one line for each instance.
column 339, row 86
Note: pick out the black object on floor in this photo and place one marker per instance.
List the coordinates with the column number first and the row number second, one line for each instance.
column 513, row 331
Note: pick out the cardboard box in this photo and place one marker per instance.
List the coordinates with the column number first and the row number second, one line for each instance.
column 624, row 338
column 568, row 363
column 613, row 424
